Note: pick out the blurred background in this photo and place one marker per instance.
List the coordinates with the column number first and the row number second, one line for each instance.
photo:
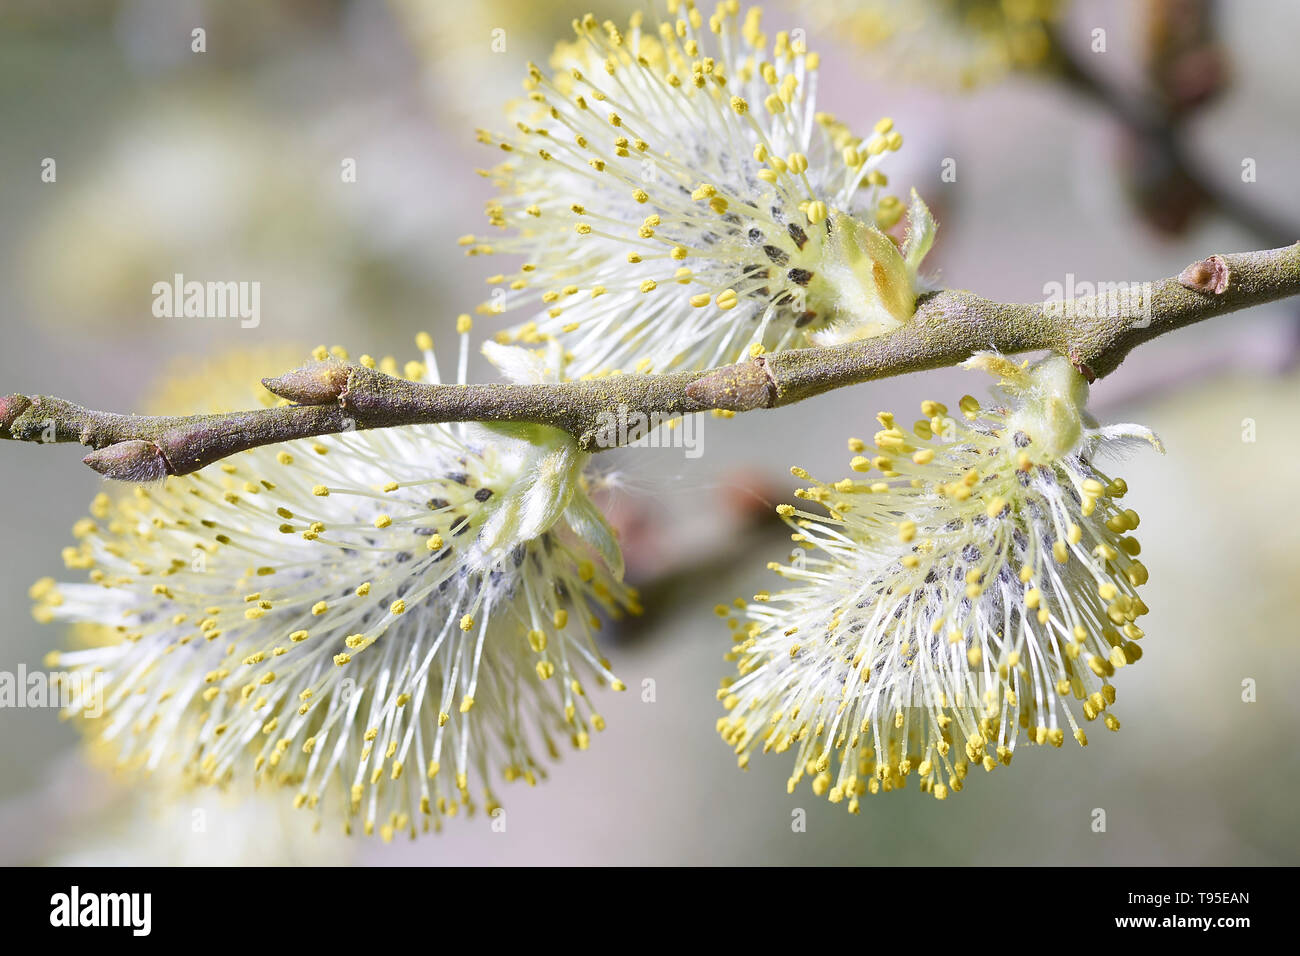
column 1118, row 155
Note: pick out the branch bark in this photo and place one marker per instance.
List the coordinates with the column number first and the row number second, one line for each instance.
column 1095, row 332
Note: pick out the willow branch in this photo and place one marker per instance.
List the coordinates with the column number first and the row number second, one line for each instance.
column 1095, row 332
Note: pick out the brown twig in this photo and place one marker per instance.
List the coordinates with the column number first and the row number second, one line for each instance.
column 1095, row 332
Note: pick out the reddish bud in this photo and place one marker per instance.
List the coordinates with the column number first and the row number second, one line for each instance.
column 1209, row 276
column 312, row 385
column 11, row 406
column 130, row 461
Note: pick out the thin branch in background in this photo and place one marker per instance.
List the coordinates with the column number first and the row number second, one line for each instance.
column 1156, row 130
